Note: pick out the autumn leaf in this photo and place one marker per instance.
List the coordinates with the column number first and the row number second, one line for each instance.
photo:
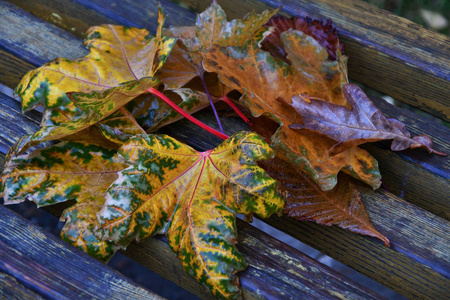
column 79, row 229
column 324, row 33
column 90, row 109
column 363, row 123
column 193, row 198
column 305, row 200
column 272, row 79
column 68, row 170
column 211, row 28
column 322, row 77
column 148, row 113
column 117, row 54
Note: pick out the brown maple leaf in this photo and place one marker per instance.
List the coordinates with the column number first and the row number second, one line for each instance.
column 363, row 123
column 305, row 201
column 272, row 79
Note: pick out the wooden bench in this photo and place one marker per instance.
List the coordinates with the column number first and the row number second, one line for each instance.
column 387, row 53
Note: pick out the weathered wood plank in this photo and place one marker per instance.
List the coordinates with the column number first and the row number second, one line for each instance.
column 49, row 267
column 11, row 289
column 12, row 69
column 387, row 52
column 413, row 174
column 67, row 14
column 14, row 123
column 275, row 270
column 417, row 265
column 142, row 13
column 34, row 40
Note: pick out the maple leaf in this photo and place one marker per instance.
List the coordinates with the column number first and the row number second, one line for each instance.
column 68, row 170
column 148, row 113
column 211, row 28
column 90, row 109
column 271, row 80
column 363, row 123
column 117, row 54
column 323, row 77
column 324, row 33
column 305, row 201
column 193, row 198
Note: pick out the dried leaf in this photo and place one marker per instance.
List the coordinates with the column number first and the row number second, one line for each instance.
column 305, row 201
column 211, row 28
column 270, row 80
column 193, row 198
column 118, row 54
column 68, row 170
column 323, row 77
column 363, row 123
column 324, row 33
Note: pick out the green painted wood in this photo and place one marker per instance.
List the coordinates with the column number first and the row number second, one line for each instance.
column 49, row 267
column 387, row 52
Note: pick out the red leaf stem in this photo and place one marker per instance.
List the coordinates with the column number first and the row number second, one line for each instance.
column 236, row 109
column 186, row 115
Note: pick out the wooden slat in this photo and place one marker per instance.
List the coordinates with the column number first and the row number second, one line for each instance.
column 14, row 123
column 413, row 174
column 34, row 40
column 12, row 69
column 417, row 265
column 67, row 14
column 11, row 289
column 275, row 270
column 45, row 265
column 387, row 52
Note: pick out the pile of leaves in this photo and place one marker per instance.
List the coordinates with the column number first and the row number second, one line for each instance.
column 289, row 77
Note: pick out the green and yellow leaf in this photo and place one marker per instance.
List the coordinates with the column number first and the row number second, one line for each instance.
column 193, row 198
column 118, row 54
column 68, row 170
column 91, row 108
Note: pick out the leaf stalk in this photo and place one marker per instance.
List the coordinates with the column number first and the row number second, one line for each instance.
column 186, row 115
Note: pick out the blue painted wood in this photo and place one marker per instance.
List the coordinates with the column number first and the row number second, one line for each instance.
column 14, row 124
column 33, row 39
column 49, row 267
column 142, row 13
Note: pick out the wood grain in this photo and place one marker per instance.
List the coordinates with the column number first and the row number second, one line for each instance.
column 14, row 123
column 11, row 289
column 416, row 266
column 388, row 53
column 12, row 69
column 275, row 269
column 47, row 266
column 33, row 40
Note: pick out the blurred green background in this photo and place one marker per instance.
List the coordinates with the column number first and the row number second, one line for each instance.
column 433, row 14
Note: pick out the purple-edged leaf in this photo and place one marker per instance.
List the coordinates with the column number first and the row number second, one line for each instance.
column 363, row 123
